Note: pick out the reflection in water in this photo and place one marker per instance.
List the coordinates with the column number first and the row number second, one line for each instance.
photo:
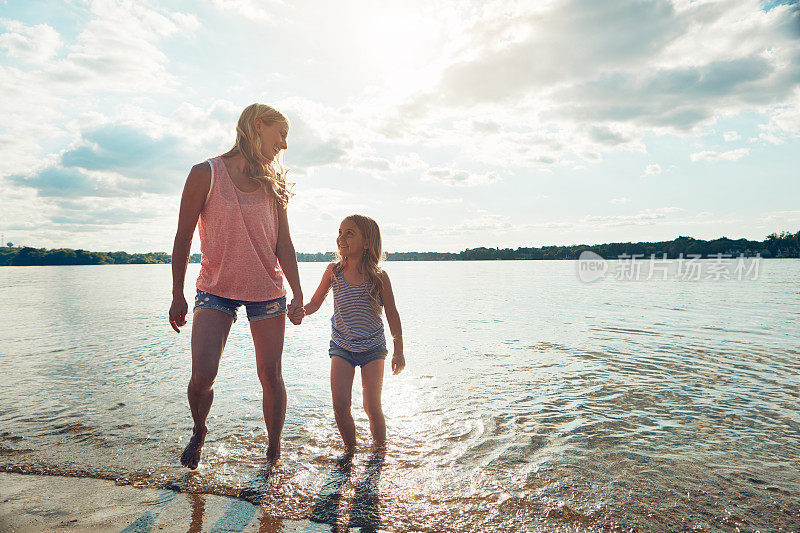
column 269, row 524
column 240, row 512
column 364, row 511
column 198, row 502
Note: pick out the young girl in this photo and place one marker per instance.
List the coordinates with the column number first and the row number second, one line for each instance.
column 360, row 290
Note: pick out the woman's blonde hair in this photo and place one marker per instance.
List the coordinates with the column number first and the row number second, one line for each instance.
column 373, row 254
column 271, row 173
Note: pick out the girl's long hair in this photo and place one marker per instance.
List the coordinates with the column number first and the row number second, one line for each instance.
column 271, row 173
column 372, row 255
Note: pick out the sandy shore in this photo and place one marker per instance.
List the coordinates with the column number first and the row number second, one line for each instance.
column 53, row 503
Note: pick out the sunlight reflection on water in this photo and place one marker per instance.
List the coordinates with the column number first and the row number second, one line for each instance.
column 530, row 401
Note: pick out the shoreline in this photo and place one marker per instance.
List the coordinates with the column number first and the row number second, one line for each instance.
column 36, row 502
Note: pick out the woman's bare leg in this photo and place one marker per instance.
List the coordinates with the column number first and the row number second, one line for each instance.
column 342, row 374
column 268, row 336
column 372, row 385
column 210, row 329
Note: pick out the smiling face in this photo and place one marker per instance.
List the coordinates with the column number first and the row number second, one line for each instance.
column 351, row 242
column 273, row 137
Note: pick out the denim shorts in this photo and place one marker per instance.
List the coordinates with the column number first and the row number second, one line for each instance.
column 255, row 310
column 358, row 358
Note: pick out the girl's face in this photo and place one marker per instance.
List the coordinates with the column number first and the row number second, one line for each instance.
column 273, row 137
column 350, row 241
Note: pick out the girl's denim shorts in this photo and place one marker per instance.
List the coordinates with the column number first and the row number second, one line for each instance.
column 255, row 310
column 358, row 358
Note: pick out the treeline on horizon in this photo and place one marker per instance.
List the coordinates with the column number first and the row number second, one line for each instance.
column 784, row 244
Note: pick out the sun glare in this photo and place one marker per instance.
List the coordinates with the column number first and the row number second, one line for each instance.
column 400, row 46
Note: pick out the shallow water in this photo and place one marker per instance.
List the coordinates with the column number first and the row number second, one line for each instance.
column 531, row 401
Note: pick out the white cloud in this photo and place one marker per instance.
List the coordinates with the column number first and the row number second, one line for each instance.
column 318, row 136
column 710, row 155
column 399, row 164
column 643, row 218
column 325, row 200
column 731, row 136
column 784, row 124
column 29, row 43
column 652, row 170
column 112, row 160
column 248, row 9
column 459, row 178
column 410, row 161
column 116, row 52
column 656, row 67
column 484, row 222
column 782, row 217
column 622, row 200
column 418, row 200
column 103, row 212
column 553, row 225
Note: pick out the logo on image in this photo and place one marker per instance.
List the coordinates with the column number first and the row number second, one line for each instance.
column 591, row 267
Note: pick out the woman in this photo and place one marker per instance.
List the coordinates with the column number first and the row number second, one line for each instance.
column 239, row 200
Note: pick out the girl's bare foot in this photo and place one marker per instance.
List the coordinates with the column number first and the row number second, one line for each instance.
column 190, row 457
column 378, row 448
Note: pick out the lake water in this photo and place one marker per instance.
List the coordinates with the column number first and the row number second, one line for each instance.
column 531, row 401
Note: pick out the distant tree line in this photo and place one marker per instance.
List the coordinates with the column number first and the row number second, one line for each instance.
column 784, row 244
column 27, row 256
column 319, row 257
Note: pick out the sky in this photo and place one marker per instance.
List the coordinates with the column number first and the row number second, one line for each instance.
column 454, row 124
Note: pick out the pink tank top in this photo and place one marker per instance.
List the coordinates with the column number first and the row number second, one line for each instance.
column 238, row 238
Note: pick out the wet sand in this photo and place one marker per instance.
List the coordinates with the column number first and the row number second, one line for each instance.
column 54, row 503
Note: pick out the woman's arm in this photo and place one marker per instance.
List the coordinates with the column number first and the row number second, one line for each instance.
column 288, row 260
column 322, row 291
column 393, row 318
column 194, row 196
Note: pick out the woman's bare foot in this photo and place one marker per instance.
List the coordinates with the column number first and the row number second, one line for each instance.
column 273, row 453
column 190, row 457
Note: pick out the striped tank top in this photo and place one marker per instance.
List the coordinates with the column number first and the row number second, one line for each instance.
column 356, row 324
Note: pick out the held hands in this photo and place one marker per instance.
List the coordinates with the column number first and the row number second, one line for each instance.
column 177, row 312
column 398, row 362
column 295, row 311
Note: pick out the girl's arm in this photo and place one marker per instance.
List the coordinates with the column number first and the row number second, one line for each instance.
column 393, row 318
column 194, row 196
column 322, row 291
column 288, row 260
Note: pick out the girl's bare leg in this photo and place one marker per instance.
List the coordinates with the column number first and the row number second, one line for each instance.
column 268, row 341
column 342, row 374
column 372, row 384
column 210, row 329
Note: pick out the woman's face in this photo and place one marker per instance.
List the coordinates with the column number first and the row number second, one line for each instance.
column 273, row 137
